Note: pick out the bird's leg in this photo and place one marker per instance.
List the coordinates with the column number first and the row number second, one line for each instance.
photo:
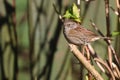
column 83, row 49
column 87, row 53
column 69, row 46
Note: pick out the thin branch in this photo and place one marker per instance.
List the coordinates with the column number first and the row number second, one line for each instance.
column 94, row 55
column 107, row 17
column 115, row 11
column 78, row 2
column 118, row 5
column 31, row 38
column 96, row 28
column 107, row 41
column 116, row 71
column 106, row 66
column 83, row 60
column 110, row 57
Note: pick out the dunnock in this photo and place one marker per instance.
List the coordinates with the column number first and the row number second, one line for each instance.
column 77, row 34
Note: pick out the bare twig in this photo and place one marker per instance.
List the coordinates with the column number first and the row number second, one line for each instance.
column 115, row 11
column 88, row 0
column 59, row 14
column 90, row 77
column 106, row 66
column 31, row 38
column 110, row 57
column 78, row 2
column 116, row 71
column 107, row 17
column 94, row 55
column 87, row 53
column 56, row 10
column 96, row 28
column 118, row 5
column 108, row 42
column 83, row 60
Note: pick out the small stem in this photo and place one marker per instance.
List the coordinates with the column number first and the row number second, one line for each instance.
column 78, row 2
column 108, row 42
column 106, row 66
column 107, row 17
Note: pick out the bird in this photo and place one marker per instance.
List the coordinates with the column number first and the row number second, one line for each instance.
column 76, row 34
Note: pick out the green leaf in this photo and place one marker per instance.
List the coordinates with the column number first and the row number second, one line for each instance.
column 75, row 10
column 115, row 33
column 77, row 19
column 67, row 14
column 72, row 13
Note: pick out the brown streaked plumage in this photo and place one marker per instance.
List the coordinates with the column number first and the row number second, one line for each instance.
column 76, row 34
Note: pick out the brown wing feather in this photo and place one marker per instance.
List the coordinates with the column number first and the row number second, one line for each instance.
column 85, row 35
column 85, row 31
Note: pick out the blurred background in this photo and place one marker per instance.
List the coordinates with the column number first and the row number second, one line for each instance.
column 32, row 45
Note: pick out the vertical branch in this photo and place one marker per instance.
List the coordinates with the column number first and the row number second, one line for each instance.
column 78, row 2
column 118, row 10
column 118, row 6
column 118, row 28
column 107, row 17
column 2, row 21
column 53, row 43
column 31, row 37
column 10, row 14
column 108, row 29
column 16, row 43
column 3, row 77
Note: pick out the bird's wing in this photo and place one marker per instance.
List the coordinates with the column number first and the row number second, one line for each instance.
column 86, row 32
